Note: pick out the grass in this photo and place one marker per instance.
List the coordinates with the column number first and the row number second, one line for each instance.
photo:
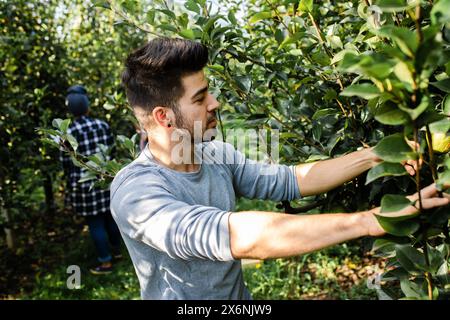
column 319, row 275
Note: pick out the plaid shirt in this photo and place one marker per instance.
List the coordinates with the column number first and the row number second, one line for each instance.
column 88, row 132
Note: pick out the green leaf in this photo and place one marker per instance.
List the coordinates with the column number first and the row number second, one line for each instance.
column 192, row 6
column 151, row 17
column 410, row 258
column 73, row 142
column 440, row 13
column 108, row 106
column 383, row 245
column 390, row 115
column 395, row 5
column 167, row 27
column 88, row 176
column 404, row 38
column 127, row 142
column 260, row 16
column 187, row 33
column 50, row 142
column 364, row 90
column 443, row 179
column 335, row 42
column 77, row 163
column 446, row 105
column 50, row 132
column 350, row 60
column 330, row 94
column 398, row 228
column 292, row 39
column 244, row 83
column 410, row 289
column 64, row 125
column 323, row 112
column 421, row 108
column 113, row 166
column 96, row 158
column 232, row 18
column 305, row 5
column 340, row 55
column 57, row 123
column 442, row 126
column 403, row 73
column 216, row 67
column 371, row 65
column 168, row 13
column 393, row 148
column 388, row 242
column 210, row 22
column 385, row 169
column 279, row 36
column 393, row 203
column 101, row 3
column 443, row 85
column 436, row 258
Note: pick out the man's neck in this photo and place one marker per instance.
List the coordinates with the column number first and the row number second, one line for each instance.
column 164, row 154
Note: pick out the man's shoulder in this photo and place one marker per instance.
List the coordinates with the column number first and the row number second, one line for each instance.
column 218, row 152
column 218, row 144
column 137, row 170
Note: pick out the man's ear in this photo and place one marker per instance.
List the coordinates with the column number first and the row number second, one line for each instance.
column 162, row 116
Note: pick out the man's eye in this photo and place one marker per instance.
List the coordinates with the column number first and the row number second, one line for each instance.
column 200, row 100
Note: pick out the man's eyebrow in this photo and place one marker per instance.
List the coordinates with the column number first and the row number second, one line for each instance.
column 201, row 91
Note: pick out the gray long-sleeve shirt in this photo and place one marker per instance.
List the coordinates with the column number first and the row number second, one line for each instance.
column 175, row 224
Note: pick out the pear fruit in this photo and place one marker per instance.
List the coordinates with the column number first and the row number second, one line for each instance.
column 441, row 142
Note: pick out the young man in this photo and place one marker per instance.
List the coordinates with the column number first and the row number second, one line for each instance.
column 93, row 203
column 177, row 217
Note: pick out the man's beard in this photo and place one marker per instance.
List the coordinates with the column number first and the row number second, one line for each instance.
column 200, row 138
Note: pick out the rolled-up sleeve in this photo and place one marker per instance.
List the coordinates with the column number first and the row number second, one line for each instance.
column 147, row 212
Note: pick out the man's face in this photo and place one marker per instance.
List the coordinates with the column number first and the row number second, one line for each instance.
column 197, row 108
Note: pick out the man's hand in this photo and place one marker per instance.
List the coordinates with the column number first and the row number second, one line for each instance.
column 430, row 199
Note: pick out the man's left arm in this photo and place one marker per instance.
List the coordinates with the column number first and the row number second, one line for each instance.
column 322, row 176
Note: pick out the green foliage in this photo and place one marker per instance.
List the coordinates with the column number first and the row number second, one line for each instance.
column 333, row 76
column 45, row 47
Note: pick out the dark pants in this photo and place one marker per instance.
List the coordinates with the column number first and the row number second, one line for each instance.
column 104, row 232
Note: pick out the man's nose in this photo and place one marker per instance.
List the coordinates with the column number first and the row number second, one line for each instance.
column 213, row 103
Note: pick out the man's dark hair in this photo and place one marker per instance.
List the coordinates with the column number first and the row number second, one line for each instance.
column 153, row 72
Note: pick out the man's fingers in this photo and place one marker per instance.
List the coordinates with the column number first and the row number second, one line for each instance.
column 411, row 166
column 412, row 170
column 427, row 192
column 435, row 202
column 431, row 191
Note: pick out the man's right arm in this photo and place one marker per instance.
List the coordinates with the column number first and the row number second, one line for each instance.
column 263, row 235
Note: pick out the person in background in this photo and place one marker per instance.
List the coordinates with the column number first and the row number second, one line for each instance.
column 91, row 203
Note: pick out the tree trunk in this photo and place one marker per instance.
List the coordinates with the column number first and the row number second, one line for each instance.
column 49, row 197
column 10, row 239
